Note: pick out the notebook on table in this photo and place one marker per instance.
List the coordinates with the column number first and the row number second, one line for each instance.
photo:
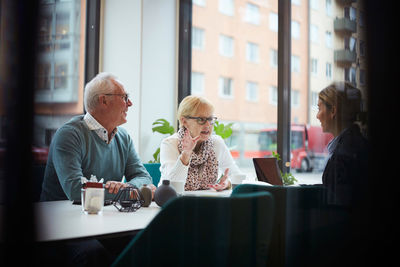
column 267, row 170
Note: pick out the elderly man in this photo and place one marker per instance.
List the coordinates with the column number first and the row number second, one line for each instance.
column 93, row 144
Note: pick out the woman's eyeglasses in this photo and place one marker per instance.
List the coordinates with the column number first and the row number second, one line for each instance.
column 203, row 120
column 125, row 97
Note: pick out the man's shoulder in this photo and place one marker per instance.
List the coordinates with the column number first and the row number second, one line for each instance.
column 74, row 126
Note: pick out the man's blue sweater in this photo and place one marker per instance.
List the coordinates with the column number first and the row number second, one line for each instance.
column 76, row 151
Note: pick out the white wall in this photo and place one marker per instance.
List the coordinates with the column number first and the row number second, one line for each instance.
column 139, row 40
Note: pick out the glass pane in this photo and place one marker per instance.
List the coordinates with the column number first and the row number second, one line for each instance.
column 236, row 69
column 60, row 70
column 329, row 55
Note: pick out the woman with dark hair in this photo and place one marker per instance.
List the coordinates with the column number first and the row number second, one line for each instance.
column 339, row 109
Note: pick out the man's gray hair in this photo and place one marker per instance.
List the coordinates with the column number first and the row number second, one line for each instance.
column 101, row 84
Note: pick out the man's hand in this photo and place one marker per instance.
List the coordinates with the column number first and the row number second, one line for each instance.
column 113, row 186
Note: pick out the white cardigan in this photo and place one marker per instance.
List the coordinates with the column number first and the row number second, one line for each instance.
column 173, row 169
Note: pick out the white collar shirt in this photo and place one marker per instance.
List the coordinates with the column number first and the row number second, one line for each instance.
column 94, row 125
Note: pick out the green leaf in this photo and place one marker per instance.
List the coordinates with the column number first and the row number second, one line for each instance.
column 163, row 126
column 223, row 130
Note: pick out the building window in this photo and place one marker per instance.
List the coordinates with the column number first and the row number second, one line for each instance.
column 273, row 22
column 197, row 83
column 314, row 100
column 200, row 2
column 226, row 87
column 328, row 71
column 225, row 46
column 252, row 91
column 296, row 2
column 295, row 98
column 252, row 14
column 350, row 44
column 350, row 75
column 197, row 38
column 328, row 8
column 57, row 71
column 252, row 52
column 314, row 34
column 226, row 7
column 295, row 30
column 273, row 95
column 314, row 4
column 328, row 39
column 314, row 66
column 273, row 58
column 295, row 64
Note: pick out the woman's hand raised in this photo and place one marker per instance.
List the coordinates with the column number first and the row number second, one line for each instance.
column 188, row 144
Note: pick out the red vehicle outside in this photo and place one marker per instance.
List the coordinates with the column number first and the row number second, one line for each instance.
column 308, row 147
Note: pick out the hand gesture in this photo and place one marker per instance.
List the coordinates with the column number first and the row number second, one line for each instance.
column 223, row 182
column 188, row 144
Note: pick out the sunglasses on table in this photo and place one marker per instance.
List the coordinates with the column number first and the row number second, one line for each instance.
column 203, row 120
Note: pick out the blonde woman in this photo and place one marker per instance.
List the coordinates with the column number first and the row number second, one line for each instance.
column 193, row 154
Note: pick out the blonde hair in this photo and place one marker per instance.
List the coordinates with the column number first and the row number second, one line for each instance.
column 345, row 98
column 191, row 105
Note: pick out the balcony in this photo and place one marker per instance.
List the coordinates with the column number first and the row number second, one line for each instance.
column 345, row 56
column 345, row 25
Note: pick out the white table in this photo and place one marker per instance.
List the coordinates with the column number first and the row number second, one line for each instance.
column 60, row 220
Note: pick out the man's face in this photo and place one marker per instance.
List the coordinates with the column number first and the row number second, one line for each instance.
column 118, row 108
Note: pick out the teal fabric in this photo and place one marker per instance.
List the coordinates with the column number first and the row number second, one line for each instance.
column 154, row 171
column 75, row 151
column 205, row 231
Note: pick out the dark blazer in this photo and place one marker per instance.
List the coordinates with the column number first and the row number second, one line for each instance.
column 347, row 168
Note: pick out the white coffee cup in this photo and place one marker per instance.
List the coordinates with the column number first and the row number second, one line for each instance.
column 237, row 179
column 179, row 186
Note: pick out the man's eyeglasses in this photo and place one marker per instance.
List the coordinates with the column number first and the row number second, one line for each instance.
column 125, row 97
column 203, row 120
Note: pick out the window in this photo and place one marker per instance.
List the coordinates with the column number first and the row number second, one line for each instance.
column 199, row 2
column 314, row 100
column 314, row 34
column 225, row 87
column 350, row 75
column 273, row 22
column 328, row 39
column 197, row 83
column 296, row 2
column 226, row 7
column 58, row 72
column 273, row 58
column 314, row 4
column 273, row 95
column 350, row 44
column 197, row 38
column 295, row 64
column 295, row 30
column 295, row 98
column 225, row 46
column 314, row 66
column 328, row 71
column 252, row 52
column 252, row 91
column 252, row 14
column 328, row 8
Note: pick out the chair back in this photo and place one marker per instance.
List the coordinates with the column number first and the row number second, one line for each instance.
column 205, row 231
column 154, row 170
